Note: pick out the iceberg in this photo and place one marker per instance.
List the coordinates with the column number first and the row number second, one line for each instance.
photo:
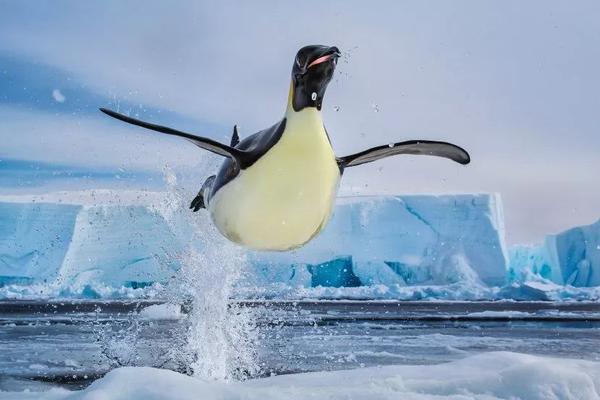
column 123, row 244
column 33, row 239
column 72, row 247
column 406, row 240
column 568, row 258
column 78, row 242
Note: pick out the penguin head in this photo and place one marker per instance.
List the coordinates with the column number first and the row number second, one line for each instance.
column 313, row 69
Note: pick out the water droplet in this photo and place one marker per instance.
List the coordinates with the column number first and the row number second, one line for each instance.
column 336, row 108
column 313, row 96
column 390, row 145
column 375, row 107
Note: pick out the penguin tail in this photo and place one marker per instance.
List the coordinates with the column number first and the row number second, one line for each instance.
column 201, row 199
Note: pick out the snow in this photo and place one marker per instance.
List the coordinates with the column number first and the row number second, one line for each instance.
column 162, row 312
column 568, row 258
column 488, row 376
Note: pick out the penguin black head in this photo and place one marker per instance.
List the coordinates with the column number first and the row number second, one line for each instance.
column 313, row 69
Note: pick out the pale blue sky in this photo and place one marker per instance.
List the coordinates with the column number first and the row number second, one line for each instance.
column 516, row 83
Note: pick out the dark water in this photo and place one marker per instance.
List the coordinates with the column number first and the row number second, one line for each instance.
column 72, row 343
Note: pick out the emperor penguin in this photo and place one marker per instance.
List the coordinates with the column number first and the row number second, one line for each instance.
column 276, row 189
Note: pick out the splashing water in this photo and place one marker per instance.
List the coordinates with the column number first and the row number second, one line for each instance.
column 220, row 335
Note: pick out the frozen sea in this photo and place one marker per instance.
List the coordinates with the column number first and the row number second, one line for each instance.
column 69, row 344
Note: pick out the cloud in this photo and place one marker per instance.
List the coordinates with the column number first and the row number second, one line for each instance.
column 91, row 142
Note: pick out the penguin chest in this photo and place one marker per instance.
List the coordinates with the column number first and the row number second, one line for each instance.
column 285, row 198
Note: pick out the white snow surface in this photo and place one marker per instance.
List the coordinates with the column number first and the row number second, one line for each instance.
column 488, row 376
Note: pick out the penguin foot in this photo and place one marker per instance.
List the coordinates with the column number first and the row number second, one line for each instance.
column 200, row 200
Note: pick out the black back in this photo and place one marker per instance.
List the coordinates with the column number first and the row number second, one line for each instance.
column 253, row 148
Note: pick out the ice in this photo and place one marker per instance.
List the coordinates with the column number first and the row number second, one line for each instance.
column 83, row 243
column 569, row 258
column 488, row 376
column 162, row 312
column 576, row 252
column 124, row 244
column 119, row 246
column 421, row 239
column 500, row 314
column 74, row 248
column 334, row 273
column 34, row 239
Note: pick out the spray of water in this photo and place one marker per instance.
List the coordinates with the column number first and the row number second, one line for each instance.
column 221, row 336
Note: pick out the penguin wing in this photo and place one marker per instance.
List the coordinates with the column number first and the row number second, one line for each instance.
column 416, row 147
column 202, row 142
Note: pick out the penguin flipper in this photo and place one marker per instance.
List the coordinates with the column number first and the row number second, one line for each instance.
column 416, row 147
column 202, row 142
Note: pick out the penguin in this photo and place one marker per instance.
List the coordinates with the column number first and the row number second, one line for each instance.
column 276, row 189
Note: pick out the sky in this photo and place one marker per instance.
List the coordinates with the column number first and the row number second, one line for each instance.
column 515, row 83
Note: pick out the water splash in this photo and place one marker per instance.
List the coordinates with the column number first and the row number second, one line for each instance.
column 219, row 336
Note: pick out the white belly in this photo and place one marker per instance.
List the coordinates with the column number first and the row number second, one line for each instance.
column 287, row 196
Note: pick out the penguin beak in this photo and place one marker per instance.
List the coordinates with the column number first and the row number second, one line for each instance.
column 335, row 54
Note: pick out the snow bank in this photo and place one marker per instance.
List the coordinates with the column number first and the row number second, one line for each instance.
column 569, row 258
column 489, row 376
